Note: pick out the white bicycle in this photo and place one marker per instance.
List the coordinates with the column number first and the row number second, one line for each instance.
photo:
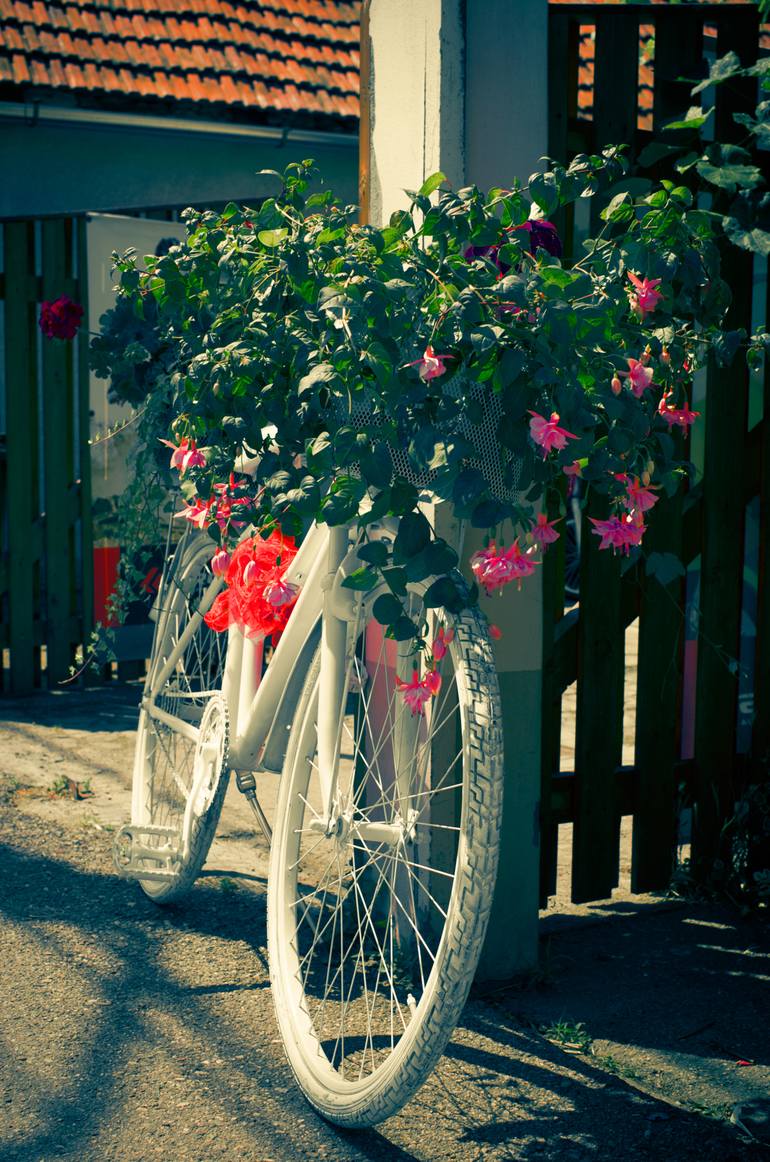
column 385, row 836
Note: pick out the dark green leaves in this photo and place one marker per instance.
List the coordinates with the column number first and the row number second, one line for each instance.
column 414, row 533
column 387, row 609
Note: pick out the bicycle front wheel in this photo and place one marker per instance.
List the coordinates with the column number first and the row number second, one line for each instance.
column 174, row 792
column 375, row 925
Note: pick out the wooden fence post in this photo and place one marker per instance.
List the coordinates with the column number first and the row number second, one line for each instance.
column 57, row 462
column 726, row 414
column 21, row 493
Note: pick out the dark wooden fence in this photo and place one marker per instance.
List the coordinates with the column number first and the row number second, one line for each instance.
column 598, row 97
column 45, row 502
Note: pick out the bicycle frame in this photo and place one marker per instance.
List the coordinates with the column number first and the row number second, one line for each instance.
column 262, row 708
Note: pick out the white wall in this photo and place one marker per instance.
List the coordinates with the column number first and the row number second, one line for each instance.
column 462, row 88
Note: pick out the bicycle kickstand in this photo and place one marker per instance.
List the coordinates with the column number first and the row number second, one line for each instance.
column 247, row 784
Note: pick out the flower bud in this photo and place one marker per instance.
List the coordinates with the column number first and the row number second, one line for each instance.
column 250, row 572
column 616, row 385
column 646, row 478
column 219, row 563
column 665, row 356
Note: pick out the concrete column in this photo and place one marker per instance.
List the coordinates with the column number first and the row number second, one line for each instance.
column 462, row 88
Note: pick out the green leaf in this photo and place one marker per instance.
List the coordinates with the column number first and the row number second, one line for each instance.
column 321, row 373
column 403, row 496
column 727, row 177
column 746, row 237
column 395, row 579
column 373, row 552
column 726, row 345
column 664, row 567
column 431, row 183
column 694, row 118
column 435, row 559
column 444, row 594
column 387, row 609
column 545, row 191
column 272, row 238
column 402, row 629
column 377, row 466
column 412, row 536
column 722, row 70
column 559, row 277
column 362, row 580
column 619, row 209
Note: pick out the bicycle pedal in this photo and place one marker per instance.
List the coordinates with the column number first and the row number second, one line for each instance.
column 147, row 853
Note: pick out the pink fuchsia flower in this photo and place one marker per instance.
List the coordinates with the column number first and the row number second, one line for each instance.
column 644, row 298
column 683, row 416
column 547, row 433
column 573, row 469
column 493, row 568
column 441, row 643
column 639, row 376
column 431, row 365
column 618, row 532
column 185, row 455
column 219, row 563
column 198, row 513
column 639, row 498
column 543, row 533
column 279, row 592
column 227, row 506
column 61, row 318
column 420, row 690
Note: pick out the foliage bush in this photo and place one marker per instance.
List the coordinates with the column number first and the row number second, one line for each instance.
column 363, row 364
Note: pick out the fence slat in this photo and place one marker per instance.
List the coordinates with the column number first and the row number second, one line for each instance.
column 599, row 728
column 550, row 745
column 83, row 387
column 726, row 415
column 661, row 626
column 57, row 424
column 22, row 454
column 678, row 53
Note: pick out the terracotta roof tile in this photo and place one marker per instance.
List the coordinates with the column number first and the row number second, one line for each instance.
column 298, row 56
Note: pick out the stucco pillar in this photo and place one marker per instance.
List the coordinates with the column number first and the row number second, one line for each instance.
column 461, row 88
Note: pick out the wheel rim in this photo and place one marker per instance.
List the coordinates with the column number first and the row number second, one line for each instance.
column 168, row 757
column 365, row 918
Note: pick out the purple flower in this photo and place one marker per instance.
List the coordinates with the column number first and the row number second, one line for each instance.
column 61, row 318
column 542, row 235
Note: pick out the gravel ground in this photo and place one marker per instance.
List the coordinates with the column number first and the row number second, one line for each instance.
column 133, row 1033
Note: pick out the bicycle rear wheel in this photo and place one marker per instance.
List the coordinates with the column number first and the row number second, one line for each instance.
column 180, row 766
column 375, row 928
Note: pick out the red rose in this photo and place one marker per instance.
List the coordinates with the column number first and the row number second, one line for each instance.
column 60, row 319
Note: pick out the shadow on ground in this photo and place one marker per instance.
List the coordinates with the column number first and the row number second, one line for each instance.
column 134, row 1033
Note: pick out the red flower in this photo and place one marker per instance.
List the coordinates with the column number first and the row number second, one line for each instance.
column 254, row 573
column 60, row 319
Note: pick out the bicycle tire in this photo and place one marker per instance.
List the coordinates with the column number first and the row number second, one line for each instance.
column 164, row 758
column 310, row 999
